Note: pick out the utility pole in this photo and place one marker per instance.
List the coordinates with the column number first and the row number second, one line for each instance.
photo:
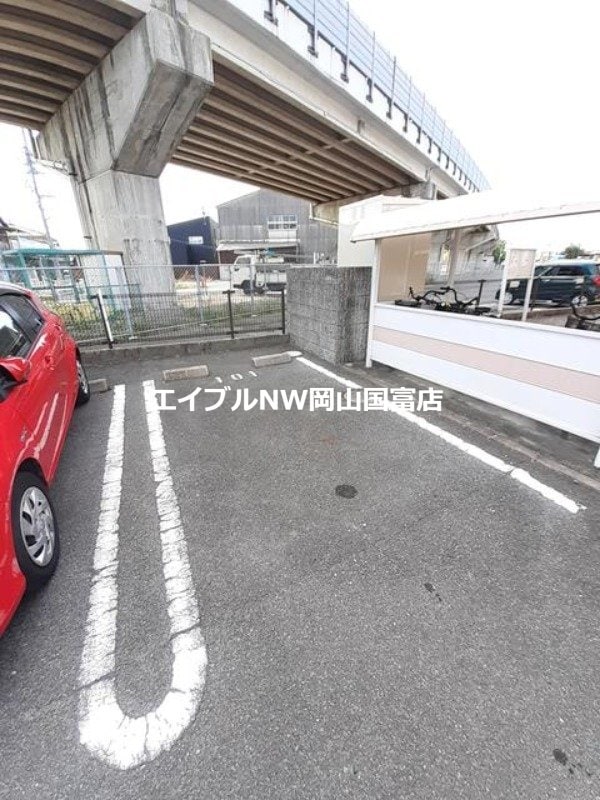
column 33, row 174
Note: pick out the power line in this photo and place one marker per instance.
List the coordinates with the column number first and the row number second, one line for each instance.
column 33, row 174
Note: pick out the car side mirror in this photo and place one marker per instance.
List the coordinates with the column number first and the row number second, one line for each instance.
column 17, row 368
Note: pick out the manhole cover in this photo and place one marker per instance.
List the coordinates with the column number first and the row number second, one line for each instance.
column 345, row 490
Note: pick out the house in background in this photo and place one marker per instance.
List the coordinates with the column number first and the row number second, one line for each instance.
column 193, row 241
column 13, row 237
column 474, row 252
column 273, row 224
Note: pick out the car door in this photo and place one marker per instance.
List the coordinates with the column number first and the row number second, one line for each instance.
column 580, row 279
column 569, row 280
column 32, row 321
column 547, row 284
column 41, row 400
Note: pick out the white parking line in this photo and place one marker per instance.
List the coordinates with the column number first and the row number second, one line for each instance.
column 107, row 732
column 516, row 473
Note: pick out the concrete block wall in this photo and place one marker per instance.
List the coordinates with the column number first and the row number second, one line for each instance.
column 328, row 311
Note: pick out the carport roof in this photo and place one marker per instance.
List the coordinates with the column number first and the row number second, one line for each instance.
column 466, row 211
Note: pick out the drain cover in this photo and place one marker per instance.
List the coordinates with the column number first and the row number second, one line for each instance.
column 345, row 490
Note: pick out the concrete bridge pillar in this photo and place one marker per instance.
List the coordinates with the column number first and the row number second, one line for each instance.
column 118, row 130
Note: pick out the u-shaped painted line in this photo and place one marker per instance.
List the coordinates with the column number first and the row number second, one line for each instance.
column 109, row 734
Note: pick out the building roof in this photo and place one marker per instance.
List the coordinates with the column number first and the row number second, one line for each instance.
column 265, row 244
column 54, row 251
column 192, row 221
column 466, row 211
column 243, row 197
column 12, row 228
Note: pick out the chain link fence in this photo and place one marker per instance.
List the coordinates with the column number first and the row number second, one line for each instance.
column 108, row 307
column 113, row 318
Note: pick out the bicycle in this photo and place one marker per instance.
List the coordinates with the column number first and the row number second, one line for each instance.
column 582, row 322
column 459, row 306
column 437, row 299
column 431, row 298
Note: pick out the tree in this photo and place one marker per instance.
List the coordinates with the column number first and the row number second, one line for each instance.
column 574, row 251
column 499, row 253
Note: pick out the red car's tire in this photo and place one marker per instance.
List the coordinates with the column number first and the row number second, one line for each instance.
column 83, row 384
column 35, row 529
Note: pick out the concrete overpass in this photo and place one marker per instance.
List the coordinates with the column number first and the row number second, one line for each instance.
column 296, row 96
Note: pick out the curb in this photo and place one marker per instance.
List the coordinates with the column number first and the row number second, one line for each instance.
column 272, row 360
column 99, row 385
column 120, row 354
column 182, row 373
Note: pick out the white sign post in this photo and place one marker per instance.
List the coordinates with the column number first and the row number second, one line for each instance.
column 530, row 279
column 518, row 264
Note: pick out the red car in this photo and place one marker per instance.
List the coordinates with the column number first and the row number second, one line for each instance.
column 41, row 380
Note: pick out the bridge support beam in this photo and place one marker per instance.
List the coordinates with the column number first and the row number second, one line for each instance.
column 425, row 190
column 330, row 212
column 118, row 130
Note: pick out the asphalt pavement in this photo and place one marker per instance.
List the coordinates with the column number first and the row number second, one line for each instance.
column 430, row 631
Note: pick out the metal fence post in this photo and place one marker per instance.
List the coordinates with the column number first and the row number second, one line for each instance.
column 346, row 56
column 229, row 292
column 421, row 116
column 107, row 329
column 270, row 12
column 407, row 116
column 481, row 282
column 371, row 80
column 199, row 303
column 197, row 281
column 313, row 47
column 393, row 90
column 282, row 310
column 441, row 145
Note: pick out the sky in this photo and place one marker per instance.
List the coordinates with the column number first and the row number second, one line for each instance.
column 517, row 81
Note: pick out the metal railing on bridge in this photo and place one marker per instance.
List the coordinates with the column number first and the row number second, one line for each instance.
column 334, row 22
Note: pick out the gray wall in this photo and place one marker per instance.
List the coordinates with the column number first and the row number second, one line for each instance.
column 328, row 311
column 245, row 219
